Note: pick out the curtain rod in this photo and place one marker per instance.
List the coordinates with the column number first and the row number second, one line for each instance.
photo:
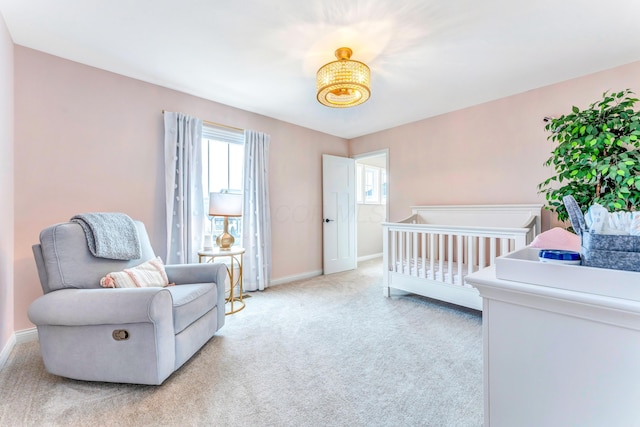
column 207, row 122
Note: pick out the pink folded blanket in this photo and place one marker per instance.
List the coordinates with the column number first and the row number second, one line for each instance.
column 557, row 238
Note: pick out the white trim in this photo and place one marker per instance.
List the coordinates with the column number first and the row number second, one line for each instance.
column 222, row 134
column 368, row 257
column 20, row 337
column 6, row 351
column 295, row 277
column 27, row 335
column 376, row 153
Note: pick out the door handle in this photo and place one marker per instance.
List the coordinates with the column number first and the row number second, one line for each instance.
column 328, row 220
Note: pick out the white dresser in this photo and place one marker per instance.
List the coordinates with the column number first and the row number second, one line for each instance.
column 562, row 353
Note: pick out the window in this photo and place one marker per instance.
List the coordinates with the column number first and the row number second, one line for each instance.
column 371, row 184
column 383, row 186
column 222, row 170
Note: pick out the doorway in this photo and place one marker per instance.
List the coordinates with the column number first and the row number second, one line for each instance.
column 372, row 207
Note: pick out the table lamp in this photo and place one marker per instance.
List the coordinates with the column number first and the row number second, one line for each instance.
column 225, row 205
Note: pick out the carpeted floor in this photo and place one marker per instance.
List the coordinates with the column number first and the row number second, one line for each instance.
column 329, row 351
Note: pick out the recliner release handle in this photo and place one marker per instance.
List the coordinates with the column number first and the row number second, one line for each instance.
column 120, row 335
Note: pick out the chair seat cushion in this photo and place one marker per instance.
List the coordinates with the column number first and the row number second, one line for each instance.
column 191, row 302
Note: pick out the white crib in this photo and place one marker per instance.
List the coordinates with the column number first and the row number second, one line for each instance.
column 431, row 252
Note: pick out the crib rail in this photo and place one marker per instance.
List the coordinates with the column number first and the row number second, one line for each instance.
column 447, row 253
column 431, row 252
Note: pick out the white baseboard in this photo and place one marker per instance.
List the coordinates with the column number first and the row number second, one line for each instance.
column 295, row 277
column 6, row 351
column 27, row 335
column 368, row 257
column 315, row 273
column 19, row 337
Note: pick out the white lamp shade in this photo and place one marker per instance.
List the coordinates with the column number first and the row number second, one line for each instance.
column 225, row 204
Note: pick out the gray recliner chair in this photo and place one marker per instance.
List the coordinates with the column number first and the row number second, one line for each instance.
column 123, row 335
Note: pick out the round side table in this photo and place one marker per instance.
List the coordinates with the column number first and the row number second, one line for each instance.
column 235, row 256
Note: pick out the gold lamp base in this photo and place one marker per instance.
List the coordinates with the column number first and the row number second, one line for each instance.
column 225, row 240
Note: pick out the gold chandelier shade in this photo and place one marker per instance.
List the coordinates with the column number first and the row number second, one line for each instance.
column 343, row 83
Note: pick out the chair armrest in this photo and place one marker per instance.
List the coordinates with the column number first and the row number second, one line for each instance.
column 79, row 307
column 181, row 274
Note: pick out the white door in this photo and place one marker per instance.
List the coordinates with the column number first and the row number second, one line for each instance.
column 338, row 213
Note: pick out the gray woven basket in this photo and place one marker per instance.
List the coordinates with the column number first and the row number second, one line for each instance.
column 603, row 250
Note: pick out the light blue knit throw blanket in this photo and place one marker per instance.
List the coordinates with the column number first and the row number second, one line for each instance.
column 110, row 235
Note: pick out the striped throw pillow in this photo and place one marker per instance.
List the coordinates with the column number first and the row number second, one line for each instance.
column 147, row 274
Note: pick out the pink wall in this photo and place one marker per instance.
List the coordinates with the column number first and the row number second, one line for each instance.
column 490, row 153
column 90, row 140
column 6, row 185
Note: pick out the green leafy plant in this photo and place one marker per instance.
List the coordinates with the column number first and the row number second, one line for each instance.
column 597, row 157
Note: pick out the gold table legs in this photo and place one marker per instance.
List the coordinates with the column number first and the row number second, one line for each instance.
column 235, row 302
column 234, row 282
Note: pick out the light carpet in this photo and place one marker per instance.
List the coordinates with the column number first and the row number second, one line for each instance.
column 328, row 351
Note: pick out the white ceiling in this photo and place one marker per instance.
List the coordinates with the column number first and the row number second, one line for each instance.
column 427, row 57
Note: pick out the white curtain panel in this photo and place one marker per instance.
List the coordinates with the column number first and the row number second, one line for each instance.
column 183, row 181
column 256, row 218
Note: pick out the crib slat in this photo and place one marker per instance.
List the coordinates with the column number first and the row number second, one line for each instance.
column 450, row 257
column 492, row 249
column 441, row 256
column 415, row 253
column 460, row 256
column 401, row 248
column 423, row 241
column 470, row 254
column 432, row 254
column 407, row 251
column 394, row 250
column 407, row 254
column 504, row 246
column 482, row 257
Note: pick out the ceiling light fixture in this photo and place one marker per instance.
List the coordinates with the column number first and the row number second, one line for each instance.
column 343, row 83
